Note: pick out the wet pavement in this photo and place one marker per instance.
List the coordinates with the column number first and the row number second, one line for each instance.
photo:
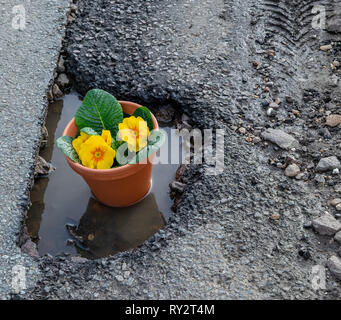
column 66, row 218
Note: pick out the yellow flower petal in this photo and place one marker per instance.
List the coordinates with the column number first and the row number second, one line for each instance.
column 106, row 135
column 135, row 132
column 77, row 143
column 95, row 153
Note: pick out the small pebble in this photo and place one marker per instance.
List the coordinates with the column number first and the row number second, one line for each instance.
column 292, row 170
column 335, row 64
column 334, row 202
column 326, row 47
column 270, row 112
column 242, row 130
column 274, row 105
column 333, row 120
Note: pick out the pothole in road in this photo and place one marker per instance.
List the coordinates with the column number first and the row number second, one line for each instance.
column 66, row 218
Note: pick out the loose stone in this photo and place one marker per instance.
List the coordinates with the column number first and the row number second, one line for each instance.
column 270, row 112
column 334, row 264
column 280, row 138
column 334, row 202
column 42, row 167
column 274, row 105
column 335, row 65
column 270, row 53
column 333, row 120
column 326, row 47
column 295, row 112
column 326, row 225
column 319, row 178
column 300, row 176
column 56, row 91
column 338, row 237
column 178, row 186
column 63, row 80
column 242, row 130
column 275, row 217
column 329, row 163
column 292, row 170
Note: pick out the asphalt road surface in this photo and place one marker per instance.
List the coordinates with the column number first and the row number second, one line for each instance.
column 242, row 234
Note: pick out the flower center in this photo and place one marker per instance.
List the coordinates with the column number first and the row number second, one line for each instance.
column 98, row 154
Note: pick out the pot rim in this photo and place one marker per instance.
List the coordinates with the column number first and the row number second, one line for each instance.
column 120, row 170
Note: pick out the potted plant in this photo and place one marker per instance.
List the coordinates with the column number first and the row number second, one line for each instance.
column 112, row 144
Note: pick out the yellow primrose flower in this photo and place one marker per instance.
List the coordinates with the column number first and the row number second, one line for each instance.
column 106, row 135
column 135, row 132
column 96, row 154
column 77, row 143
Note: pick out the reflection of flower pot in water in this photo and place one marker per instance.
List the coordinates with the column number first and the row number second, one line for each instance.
column 106, row 231
column 116, row 187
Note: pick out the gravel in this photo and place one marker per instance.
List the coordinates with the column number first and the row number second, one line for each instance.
column 28, row 59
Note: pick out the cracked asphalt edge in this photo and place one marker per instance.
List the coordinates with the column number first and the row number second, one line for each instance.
column 232, row 233
column 214, row 248
column 28, row 58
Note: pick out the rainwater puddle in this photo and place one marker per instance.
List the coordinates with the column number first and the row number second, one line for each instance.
column 66, row 218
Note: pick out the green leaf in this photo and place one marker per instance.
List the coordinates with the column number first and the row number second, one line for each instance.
column 155, row 141
column 64, row 143
column 116, row 144
column 99, row 110
column 145, row 114
column 89, row 131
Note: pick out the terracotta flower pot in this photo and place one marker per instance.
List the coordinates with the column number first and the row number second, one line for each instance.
column 116, row 187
